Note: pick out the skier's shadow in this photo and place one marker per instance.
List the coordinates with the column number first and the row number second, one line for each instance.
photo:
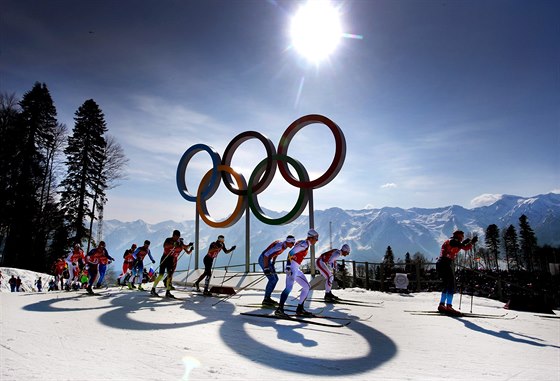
column 125, row 311
column 377, row 350
column 506, row 335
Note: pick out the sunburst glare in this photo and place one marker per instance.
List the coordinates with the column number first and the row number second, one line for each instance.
column 316, row 30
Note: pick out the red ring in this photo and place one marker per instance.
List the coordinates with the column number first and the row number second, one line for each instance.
column 339, row 155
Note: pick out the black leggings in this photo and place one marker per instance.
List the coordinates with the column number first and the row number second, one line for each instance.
column 444, row 267
column 167, row 264
column 208, row 261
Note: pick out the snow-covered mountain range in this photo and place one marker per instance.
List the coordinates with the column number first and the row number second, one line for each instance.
column 367, row 231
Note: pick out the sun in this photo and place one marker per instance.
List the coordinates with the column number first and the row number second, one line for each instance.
column 315, row 30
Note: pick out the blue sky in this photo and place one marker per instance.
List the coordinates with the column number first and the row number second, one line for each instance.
column 440, row 101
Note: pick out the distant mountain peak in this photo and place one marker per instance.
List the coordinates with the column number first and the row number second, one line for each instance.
column 487, row 199
column 367, row 231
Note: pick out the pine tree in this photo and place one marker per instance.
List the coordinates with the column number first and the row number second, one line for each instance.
column 511, row 247
column 492, row 241
column 9, row 121
column 528, row 242
column 388, row 261
column 85, row 157
column 32, row 134
column 407, row 263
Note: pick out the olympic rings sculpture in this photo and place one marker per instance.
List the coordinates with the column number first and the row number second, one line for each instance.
column 262, row 175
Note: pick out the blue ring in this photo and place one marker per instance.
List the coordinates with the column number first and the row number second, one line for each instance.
column 182, row 170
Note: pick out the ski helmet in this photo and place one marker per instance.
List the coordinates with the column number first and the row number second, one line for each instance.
column 290, row 239
column 345, row 248
column 312, row 234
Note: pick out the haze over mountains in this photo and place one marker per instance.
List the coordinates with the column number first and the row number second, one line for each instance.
column 368, row 231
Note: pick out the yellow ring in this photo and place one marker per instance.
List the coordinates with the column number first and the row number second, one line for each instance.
column 241, row 200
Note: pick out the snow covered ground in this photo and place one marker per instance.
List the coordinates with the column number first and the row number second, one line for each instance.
column 126, row 335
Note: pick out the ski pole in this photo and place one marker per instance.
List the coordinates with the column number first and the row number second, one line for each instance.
column 188, row 269
column 241, row 289
column 224, row 279
column 183, row 251
column 310, row 289
column 167, row 255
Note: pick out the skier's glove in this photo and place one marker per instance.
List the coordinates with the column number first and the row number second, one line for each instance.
column 267, row 271
column 153, row 261
column 233, row 248
column 288, row 271
column 466, row 241
column 474, row 239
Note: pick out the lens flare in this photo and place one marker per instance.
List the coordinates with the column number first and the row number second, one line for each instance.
column 316, row 30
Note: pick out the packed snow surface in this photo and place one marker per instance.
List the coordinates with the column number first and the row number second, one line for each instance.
column 126, row 335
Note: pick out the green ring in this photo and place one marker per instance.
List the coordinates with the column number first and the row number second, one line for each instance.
column 301, row 202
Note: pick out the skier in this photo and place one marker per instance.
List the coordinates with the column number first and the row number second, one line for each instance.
column 294, row 274
column 213, row 251
column 172, row 247
column 128, row 260
column 59, row 266
column 444, row 267
column 103, row 261
column 326, row 264
column 138, row 266
column 75, row 261
column 93, row 259
column 267, row 259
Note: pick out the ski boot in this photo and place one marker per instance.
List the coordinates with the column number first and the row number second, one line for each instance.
column 329, row 297
column 280, row 312
column 451, row 311
column 153, row 292
column 206, row 292
column 300, row 311
column 196, row 286
column 140, row 288
column 89, row 290
column 269, row 302
column 168, row 294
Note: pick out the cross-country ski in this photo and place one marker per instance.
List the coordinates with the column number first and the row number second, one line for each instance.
column 348, row 302
column 296, row 318
column 464, row 314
